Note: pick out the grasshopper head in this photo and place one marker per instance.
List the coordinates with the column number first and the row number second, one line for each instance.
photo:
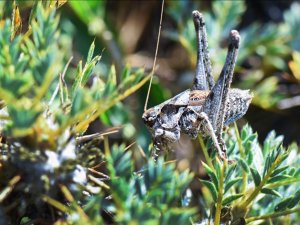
column 150, row 117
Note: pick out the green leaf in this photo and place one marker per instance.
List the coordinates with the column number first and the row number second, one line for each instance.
column 297, row 173
column 228, row 14
column 23, row 118
column 231, row 198
column 15, row 86
column 78, row 78
column 278, row 178
column 116, row 115
column 231, row 183
column 247, row 137
column 245, row 132
column 268, row 163
column 279, row 170
column 120, row 190
column 283, row 204
column 212, row 174
column 111, row 83
column 79, row 102
column 256, row 176
column 105, row 118
column 88, row 69
column 269, row 191
column 121, row 162
column 90, row 53
column 271, row 142
column 295, row 200
column 112, row 76
column 244, row 165
column 92, row 208
column 292, row 171
column 249, row 154
column 271, row 158
column 211, row 187
column 218, row 168
column 88, row 10
column 158, row 177
column 126, row 72
column 231, row 148
column 176, row 216
column 119, row 165
column 230, row 170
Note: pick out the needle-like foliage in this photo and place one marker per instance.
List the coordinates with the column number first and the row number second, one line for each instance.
column 53, row 172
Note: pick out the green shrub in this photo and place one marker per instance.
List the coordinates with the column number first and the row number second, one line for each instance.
column 51, row 171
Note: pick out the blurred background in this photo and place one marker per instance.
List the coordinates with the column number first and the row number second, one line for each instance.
column 126, row 34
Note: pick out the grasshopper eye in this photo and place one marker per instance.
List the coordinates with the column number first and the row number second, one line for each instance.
column 149, row 121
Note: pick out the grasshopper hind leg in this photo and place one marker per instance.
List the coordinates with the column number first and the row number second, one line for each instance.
column 203, row 77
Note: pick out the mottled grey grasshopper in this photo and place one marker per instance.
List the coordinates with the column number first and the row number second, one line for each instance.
column 205, row 108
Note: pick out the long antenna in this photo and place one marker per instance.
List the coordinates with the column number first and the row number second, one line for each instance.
column 155, row 57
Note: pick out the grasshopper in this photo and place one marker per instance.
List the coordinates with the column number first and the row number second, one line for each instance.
column 205, row 108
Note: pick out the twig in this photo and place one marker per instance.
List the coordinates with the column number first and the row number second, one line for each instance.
column 155, row 57
column 93, row 136
column 98, row 173
column 11, row 184
column 98, row 182
column 129, row 146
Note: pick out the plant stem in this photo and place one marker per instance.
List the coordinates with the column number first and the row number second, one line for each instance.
column 205, row 152
column 220, row 195
column 262, row 183
column 283, row 183
column 273, row 215
column 242, row 153
column 241, row 147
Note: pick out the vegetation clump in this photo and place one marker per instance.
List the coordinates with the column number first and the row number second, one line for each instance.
column 54, row 170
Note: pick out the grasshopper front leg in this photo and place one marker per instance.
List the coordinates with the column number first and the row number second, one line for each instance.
column 194, row 124
column 218, row 143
